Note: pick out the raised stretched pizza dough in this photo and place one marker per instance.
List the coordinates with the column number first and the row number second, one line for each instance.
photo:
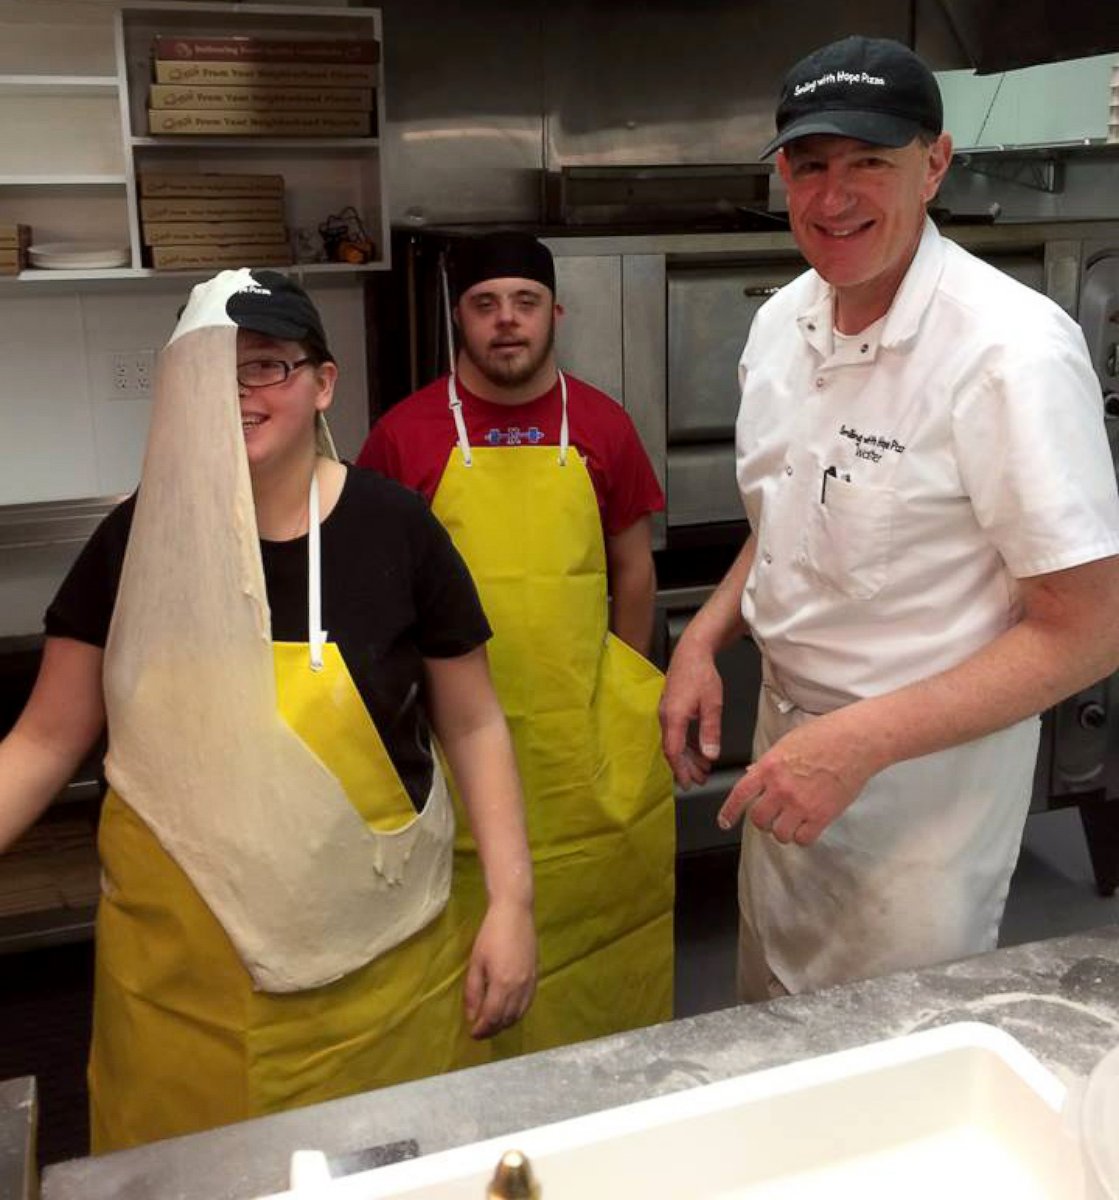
column 304, row 889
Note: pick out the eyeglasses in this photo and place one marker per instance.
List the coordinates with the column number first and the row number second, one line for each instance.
column 266, row 372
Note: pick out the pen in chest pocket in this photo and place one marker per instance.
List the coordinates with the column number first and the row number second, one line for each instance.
column 831, row 473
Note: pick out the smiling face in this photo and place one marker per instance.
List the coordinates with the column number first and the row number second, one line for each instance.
column 278, row 420
column 507, row 331
column 857, row 212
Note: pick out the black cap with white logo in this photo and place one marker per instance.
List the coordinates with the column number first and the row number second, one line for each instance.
column 275, row 305
column 872, row 89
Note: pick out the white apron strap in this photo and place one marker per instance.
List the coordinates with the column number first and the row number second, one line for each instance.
column 316, row 635
column 455, row 404
column 448, row 319
column 563, row 420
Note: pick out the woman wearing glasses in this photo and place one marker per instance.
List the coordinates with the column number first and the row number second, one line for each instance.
column 269, row 636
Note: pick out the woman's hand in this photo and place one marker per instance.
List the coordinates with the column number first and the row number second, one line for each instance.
column 467, row 718
column 501, row 976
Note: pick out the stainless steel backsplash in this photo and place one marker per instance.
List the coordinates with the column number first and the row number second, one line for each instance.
column 485, row 97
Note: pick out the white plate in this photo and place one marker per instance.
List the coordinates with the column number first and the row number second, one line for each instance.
column 963, row 1112
column 71, row 256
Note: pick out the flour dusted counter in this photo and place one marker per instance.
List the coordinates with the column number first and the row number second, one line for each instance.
column 1059, row 998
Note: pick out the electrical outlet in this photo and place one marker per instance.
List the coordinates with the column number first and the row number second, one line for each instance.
column 129, row 373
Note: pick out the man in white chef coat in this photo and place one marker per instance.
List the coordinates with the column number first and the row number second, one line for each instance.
column 932, row 557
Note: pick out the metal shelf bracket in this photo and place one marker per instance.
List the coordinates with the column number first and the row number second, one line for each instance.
column 1042, row 174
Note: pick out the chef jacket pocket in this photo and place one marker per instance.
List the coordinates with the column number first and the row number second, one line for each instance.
column 848, row 537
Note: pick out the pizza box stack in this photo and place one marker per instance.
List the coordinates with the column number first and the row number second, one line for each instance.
column 188, row 221
column 263, row 87
column 14, row 240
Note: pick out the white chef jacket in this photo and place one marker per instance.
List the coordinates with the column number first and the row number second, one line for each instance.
column 966, row 438
column 898, row 484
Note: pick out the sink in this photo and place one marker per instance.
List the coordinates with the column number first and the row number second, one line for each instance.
column 963, row 1111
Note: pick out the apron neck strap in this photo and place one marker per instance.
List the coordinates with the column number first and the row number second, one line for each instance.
column 454, row 403
column 448, row 317
column 316, row 635
column 563, row 419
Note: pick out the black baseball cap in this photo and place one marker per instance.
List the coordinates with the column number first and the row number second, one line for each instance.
column 873, row 89
column 275, row 305
column 510, row 254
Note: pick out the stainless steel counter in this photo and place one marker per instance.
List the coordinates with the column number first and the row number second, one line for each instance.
column 38, row 542
column 18, row 1111
column 1060, row 998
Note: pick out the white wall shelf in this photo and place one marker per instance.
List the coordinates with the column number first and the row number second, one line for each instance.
column 124, row 274
column 54, row 181
column 74, row 142
column 38, row 275
column 59, row 85
column 307, row 145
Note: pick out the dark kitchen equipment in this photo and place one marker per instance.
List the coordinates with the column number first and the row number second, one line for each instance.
column 997, row 36
column 664, row 196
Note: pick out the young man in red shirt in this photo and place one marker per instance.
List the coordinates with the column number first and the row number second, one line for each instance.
column 547, row 492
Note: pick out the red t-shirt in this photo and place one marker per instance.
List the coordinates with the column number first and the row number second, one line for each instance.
column 412, row 441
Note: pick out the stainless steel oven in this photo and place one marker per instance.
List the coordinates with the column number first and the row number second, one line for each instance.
column 710, row 307
column 740, row 668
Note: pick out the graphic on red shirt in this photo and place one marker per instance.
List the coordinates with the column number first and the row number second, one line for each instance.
column 412, row 441
column 514, row 436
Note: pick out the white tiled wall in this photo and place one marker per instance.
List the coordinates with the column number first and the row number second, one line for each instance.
column 63, row 433
column 46, row 450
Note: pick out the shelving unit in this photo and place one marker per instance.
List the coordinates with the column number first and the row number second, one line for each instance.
column 75, row 140
column 1039, row 166
column 322, row 175
column 62, row 168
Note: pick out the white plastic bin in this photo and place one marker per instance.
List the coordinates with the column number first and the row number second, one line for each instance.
column 1099, row 1130
column 962, row 1112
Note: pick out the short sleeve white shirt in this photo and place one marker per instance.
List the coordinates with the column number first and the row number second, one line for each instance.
column 898, row 482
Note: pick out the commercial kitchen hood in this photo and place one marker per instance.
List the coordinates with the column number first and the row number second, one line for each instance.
column 1000, row 36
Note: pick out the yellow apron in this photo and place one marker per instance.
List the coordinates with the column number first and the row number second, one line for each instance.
column 582, row 709
column 182, row 1042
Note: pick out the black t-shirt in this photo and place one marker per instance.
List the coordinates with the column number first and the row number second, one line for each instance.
column 394, row 591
